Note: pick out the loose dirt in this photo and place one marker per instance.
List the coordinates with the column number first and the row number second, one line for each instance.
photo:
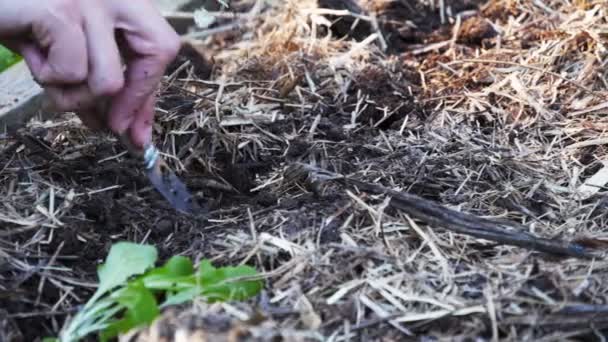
column 495, row 119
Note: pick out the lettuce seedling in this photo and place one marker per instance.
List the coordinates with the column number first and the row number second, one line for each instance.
column 130, row 288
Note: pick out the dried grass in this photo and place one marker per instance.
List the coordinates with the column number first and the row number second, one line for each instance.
column 499, row 117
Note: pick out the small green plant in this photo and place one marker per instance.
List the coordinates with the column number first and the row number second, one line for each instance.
column 7, row 58
column 130, row 287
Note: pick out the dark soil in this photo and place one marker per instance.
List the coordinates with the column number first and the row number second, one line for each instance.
column 114, row 201
column 424, row 22
column 131, row 210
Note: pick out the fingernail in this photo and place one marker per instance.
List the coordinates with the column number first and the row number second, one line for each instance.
column 142, row 136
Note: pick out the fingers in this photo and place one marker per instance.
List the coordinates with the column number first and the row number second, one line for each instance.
column 32, row 56
column 106, row 77
column 140, row 130
column 59, row 33
column 142, row 78
column 71, row 98
column 153, row 44
column 77, row 59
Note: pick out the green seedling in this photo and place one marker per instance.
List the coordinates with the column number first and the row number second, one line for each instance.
column 131, row 288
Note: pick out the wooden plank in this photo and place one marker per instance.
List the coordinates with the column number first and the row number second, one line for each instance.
column 21, row 98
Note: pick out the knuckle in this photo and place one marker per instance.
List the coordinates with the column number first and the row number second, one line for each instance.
column 64, row 7
column 76, row 75
column 169, row 48
column 66, row 100
column 65, row 73
column 107, row 86
column 67, row 77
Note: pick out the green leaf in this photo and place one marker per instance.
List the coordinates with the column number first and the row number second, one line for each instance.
column 219, row 284
column 7, row 58
column 50, row 339
column 125, row 298
column 175, row 275
column 179, row 265
column 125, row 260
column 175, row 267
column 180, row 297
column 141, row 308
column 216, row 284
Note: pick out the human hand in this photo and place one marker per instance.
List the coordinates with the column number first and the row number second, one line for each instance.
column 75, row 49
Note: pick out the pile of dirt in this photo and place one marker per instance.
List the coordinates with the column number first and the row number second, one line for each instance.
column 405, row 178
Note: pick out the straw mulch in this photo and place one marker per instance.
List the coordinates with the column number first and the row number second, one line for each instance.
column 396, row 170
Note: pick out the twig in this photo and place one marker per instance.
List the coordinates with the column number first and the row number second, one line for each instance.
column 220, row 29
column 507, row 233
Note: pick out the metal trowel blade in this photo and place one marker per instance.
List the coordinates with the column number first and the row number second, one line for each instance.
column 171, row 187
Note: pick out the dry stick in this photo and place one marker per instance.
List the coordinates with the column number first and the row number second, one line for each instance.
column 433, row 213
column 561, row 321
column 581, row 309
column 436, row 214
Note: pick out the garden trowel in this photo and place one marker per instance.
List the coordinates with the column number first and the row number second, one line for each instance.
column 161, row 176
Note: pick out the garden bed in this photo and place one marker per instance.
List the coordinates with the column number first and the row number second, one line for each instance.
column 494, row 109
